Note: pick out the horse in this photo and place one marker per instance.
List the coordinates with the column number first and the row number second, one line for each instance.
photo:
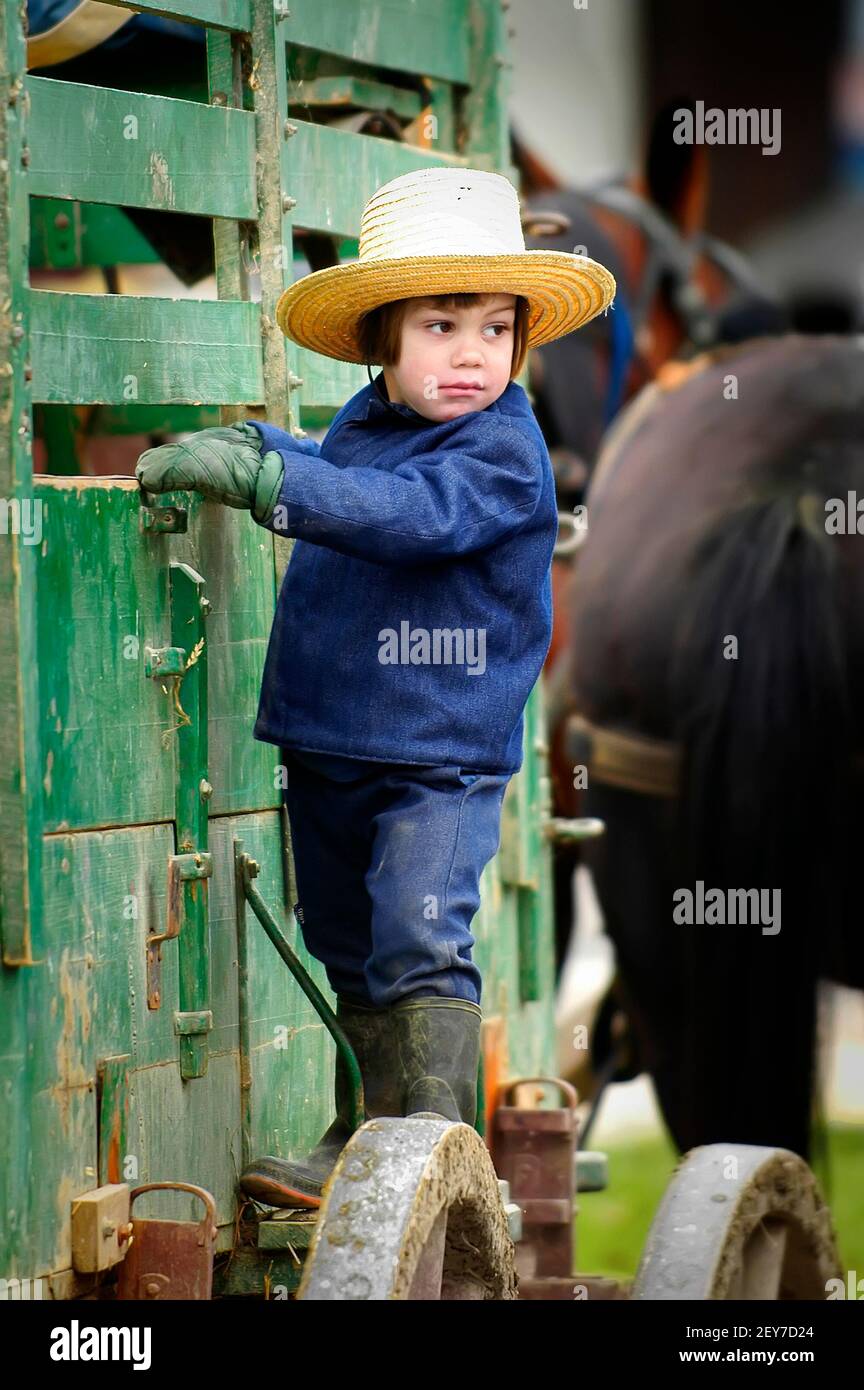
column 679, row 291
column 718, row 675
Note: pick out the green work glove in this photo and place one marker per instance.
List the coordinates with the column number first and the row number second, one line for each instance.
column 224, row 464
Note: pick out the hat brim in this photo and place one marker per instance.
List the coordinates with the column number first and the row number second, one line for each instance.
column 322, row 310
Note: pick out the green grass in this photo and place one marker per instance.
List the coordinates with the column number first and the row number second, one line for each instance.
column 612, row 1226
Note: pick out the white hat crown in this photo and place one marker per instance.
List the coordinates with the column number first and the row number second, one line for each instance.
column 441, row 231
column 442, row 212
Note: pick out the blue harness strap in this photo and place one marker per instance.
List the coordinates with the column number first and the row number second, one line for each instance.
column 623, row 351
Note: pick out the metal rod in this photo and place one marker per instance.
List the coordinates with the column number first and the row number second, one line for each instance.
column 249, row 869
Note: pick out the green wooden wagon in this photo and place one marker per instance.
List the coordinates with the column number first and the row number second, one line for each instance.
column 149, row 1033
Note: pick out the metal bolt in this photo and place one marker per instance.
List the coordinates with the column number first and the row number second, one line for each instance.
column 205, row 789
column 152, row 1289
column 289, row 129
column 288, row 203
column 62, row 221
column 206, row 606
column 294, row 381
column 25, row 156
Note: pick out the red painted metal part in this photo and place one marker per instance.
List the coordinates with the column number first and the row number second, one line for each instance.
column 169, row 1259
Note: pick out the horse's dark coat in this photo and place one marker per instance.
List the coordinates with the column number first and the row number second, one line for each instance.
column 707, row 520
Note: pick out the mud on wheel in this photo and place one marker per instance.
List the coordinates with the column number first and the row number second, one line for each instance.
column 739, row 1221
column 412, row 1210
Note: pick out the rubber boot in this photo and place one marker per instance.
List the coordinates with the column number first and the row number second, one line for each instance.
column 438, row 1050
column 281, row 1182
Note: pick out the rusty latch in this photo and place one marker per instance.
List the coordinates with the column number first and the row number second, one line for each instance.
column 181, row 868
column 534, row 1151
column 169, row 1259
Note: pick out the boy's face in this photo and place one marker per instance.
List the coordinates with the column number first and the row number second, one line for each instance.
column 446, row 352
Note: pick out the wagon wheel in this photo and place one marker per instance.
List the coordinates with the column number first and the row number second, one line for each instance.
column 412, row 1210
column 739, row 1221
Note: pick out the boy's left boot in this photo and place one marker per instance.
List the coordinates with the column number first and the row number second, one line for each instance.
column 437, row 1045
column 282, row 1182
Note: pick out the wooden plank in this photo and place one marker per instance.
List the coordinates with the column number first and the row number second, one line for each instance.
column 327, row 385
column 20, row 531
column 232, row 259
column 356, row 165
column 427, row 36
column 345, row 90
column 275, row 233
column 485, row 110
column 103, row 145
column 114, row 1133
column 117, row 349
column 104, row 589
column 216, row 14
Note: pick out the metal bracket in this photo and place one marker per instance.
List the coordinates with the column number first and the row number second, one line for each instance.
column 182, row 868
column 164, row 661
column 562, row 831
column 161, row 520
column 190, row 1025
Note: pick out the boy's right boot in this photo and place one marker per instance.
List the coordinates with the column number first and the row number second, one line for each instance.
column 281, row 1182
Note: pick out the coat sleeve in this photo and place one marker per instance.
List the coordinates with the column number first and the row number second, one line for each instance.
column 449, row 502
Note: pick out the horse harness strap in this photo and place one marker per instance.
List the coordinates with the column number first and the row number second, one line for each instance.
column 633, row 761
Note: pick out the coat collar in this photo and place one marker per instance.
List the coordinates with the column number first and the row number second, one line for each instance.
column 379, row 404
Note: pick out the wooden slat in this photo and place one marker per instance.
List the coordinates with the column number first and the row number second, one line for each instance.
column 327, row 385
column 485, row 109
column 103, row 145
column 216, row 14
column 346, row 91
column 356, row 165
column 107, row 598
column 427, row 36
column 122, row 349
column 20, row 771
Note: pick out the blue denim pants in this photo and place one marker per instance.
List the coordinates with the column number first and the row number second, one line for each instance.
column 388, row 869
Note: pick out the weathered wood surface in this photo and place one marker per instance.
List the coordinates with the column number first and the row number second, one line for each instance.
column 84, row 775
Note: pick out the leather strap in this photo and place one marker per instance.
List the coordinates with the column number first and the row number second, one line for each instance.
column 640, row 764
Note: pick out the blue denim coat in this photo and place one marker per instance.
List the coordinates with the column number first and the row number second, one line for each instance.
column 416, row 611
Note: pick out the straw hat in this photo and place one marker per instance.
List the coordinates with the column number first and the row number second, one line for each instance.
column 442, row 231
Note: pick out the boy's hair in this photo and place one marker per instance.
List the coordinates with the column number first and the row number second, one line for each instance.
column 380, row 331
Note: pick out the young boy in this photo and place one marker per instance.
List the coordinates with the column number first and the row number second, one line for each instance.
column 412, row 622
